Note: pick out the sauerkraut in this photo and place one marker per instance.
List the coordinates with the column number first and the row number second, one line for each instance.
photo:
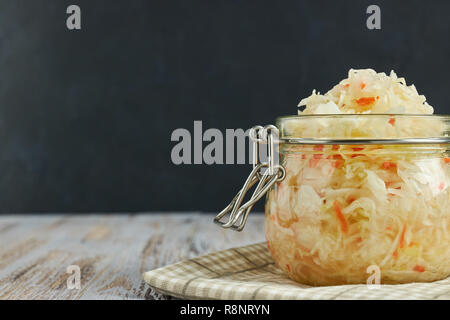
column 343, row 208
column 367, row 92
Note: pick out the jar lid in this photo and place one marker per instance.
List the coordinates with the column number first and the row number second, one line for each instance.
column 364, row 129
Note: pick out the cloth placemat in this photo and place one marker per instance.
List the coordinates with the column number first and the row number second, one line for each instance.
column 248, row 273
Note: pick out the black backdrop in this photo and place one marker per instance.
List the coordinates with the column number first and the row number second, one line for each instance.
column 86, row 116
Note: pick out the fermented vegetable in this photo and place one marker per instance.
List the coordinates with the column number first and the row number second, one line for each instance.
column 343, row 208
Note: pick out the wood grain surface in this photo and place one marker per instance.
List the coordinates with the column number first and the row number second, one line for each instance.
column 112, row 251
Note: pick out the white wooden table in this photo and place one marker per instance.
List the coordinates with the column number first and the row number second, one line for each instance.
column 111, row 250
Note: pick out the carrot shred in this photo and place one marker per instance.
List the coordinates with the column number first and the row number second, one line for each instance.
column 447, row 160
column 388, row 165
column 358, row 149
column 363, row 85
column 365, row 101
column 318, row 148
column 391, row 121
column 340, row 216
column 395, row 254
column 402, row 237
column 337, row 163
column 288, row 267
column 390, row 183
column 347, row 85
column 419, row 268
column 336, row 147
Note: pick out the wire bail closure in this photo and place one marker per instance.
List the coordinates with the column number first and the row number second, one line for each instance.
column 264, row 174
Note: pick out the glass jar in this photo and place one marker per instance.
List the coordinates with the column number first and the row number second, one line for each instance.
column 376, row 201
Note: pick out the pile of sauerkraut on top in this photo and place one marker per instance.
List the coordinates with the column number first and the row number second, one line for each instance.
column 344, row 208
column 365, row 91
column 368, row 92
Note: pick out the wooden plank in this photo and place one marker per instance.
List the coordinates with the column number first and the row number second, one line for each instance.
column 112, row 251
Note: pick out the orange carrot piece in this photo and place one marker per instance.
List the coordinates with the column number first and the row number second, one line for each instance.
column 402, row 237
column 391, row 121
column 337, row 163
column 447, row 160
column 347, row 85
column 390, row 183
column 340, row 216
column 318, row 147
column 388, row 165
column 365, row 101
column 419, row 268
column 395, row 254
column 363, row 85
column 392, row 194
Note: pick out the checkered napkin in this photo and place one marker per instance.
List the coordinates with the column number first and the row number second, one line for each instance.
column 250, row 273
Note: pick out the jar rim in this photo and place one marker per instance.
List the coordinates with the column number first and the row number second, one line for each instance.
column 365, row 115
column 288, row 135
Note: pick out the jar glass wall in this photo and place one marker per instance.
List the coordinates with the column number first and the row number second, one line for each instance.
column 345, row 207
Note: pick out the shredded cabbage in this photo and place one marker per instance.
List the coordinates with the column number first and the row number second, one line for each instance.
column 365, row 91
column 341, row 209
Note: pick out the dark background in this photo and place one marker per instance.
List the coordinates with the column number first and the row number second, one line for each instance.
column 86, row 116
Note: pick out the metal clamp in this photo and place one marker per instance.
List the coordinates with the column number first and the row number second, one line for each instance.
column 238, row 213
